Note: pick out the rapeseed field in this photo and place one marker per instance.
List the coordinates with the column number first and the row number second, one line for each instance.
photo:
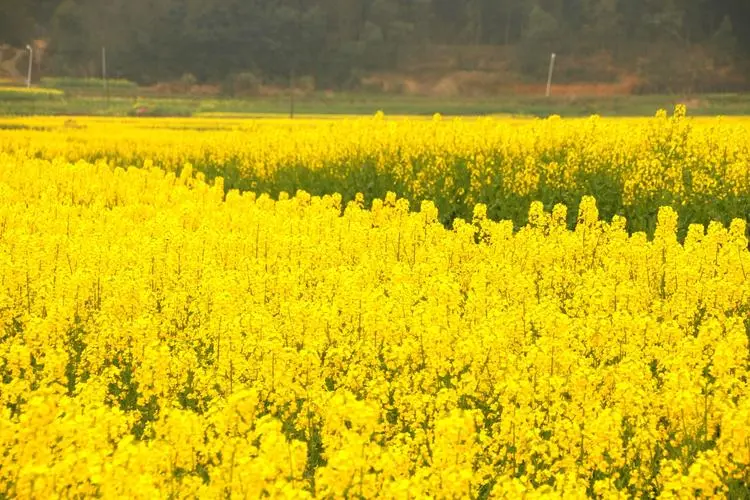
column 633, row 166
column 375, row 307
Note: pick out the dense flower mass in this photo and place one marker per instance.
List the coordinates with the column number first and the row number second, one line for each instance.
column 631, row 166
column 165, row 337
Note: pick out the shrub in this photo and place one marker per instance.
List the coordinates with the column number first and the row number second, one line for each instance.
column 245, row 83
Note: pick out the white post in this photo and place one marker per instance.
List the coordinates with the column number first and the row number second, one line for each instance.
column 549, row 77
column 31, row 59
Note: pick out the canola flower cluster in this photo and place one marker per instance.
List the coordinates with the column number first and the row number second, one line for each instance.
column 631, row 166
column 163, row 337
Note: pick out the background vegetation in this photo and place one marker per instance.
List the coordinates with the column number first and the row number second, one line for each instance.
column 669, row 45
column 139, row 102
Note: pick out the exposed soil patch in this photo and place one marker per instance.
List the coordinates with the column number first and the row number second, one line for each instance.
column 487, row 84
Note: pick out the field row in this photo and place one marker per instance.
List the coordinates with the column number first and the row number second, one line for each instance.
column 165, row 337
column 631, row 166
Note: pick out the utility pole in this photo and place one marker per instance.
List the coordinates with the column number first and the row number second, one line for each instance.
column 104, row 74
column 549, row 76
column 31, row 60
column 292, row 85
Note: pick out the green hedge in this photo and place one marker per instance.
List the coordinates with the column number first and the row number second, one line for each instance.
column 30, row 94
column 86, row 83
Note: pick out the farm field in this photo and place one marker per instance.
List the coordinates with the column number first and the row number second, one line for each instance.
column 62, row 98
column 633, row 166
column 375, row 306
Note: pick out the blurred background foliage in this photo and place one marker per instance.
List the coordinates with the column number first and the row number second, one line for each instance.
column 669, row 45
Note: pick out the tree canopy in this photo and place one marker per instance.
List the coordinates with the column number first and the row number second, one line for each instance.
column 332, row 40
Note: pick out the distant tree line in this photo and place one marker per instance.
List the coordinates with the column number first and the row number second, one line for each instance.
column 335, row 40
